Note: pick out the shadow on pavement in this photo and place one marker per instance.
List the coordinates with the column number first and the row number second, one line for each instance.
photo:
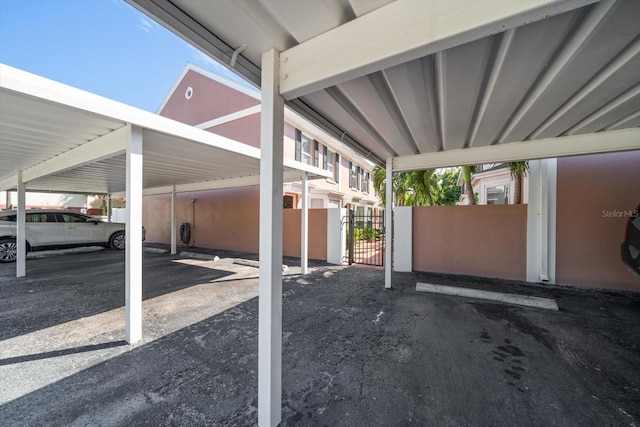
column 65, row 288
column 57, row 353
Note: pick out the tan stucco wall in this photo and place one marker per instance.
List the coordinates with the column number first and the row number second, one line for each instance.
column 588, row 240
column 488, row 241
column 317, row 233
column 228, row 219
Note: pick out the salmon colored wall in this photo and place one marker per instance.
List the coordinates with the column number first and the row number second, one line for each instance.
column 587, row 241
column 317, row 233
column 488, row 241
column 224, row 219
column 228, row 219
column 289, row 145
column 245, row 129
column 210, row 100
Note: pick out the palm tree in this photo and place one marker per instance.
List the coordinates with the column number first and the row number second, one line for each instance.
column 413, row 188
column 468, row 188
column 518, row 171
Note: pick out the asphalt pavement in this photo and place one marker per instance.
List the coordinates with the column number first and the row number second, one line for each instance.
column 354, row 354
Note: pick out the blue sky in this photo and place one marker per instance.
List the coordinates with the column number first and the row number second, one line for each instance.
column 106, row 47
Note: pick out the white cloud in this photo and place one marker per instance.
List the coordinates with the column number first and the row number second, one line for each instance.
column 145, row 25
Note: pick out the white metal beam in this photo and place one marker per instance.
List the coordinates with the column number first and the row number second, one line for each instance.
column 241, row 181
column 304, row 226
column 388, row 224
column 229, row 117
column 21, row 229
column 9, row 184
column 103, row 147
column 133, row 256
column 600, row 142
column 403, row 31
column 270, row 287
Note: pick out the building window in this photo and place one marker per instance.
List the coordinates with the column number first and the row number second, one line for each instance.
column 303, row 148
column 336, row 170
column 364, row 186
column 316, row 153
column 353, row 175
column 329, row 162
column 497, row 195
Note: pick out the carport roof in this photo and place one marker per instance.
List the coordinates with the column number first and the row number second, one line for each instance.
column 67, row 140
column 400, row 79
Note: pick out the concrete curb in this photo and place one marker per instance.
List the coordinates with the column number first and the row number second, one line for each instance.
column 252, row 263
column 545, row 303
column 204, row 257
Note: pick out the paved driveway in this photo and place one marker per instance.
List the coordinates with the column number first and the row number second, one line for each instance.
column 354, row 354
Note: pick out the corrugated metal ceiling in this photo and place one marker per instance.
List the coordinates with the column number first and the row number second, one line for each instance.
column 577, row 72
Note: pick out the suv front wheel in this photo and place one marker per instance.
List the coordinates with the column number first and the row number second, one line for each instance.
column 8, row 250
column 117, row 240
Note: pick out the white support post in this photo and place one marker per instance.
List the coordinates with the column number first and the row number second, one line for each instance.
column 109, row 207
column 21, row 242
column 133, row 257
column 304, row 225
column 541, row 221
column 174, row 221
column 388, row 224
column 336, row 236
column 403, row 239
column 552, row 191
column 270, row 290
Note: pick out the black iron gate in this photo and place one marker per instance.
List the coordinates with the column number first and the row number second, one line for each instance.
column 365, row 238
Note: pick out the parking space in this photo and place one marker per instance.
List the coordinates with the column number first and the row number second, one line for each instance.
column 353, row 353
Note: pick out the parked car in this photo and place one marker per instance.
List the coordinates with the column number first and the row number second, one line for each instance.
column 58, row 229
column 630, row 249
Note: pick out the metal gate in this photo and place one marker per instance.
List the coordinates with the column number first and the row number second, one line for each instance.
column 365, row 238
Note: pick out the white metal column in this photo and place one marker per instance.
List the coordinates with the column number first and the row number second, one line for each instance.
column 304, row 225
column 21, row 242
column 541, row 221
column 388, row 224
column 174, row 221
column 270, row 297
column 108, row 207
column 133, row 257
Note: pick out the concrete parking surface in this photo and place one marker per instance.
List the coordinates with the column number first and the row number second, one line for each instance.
column 354, row 353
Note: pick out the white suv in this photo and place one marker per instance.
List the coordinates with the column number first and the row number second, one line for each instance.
column 57, row 229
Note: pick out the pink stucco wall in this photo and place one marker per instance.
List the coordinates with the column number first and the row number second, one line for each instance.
column 591, row 189
column 245, row 130
column 210, row 100
column 228, row 219
column 488, row 241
